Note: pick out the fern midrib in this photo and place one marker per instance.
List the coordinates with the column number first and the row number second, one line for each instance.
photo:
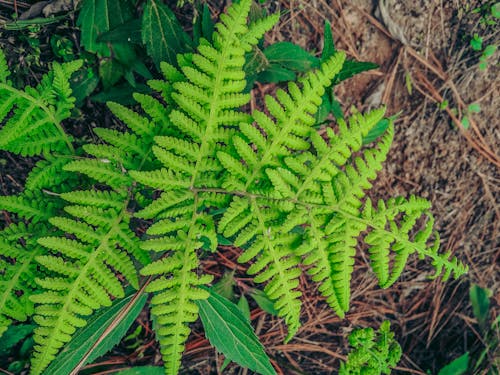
column 77, row 284
column 186, row 268
column 270, row 249
column 331, row 208
column 319, row 240
column 213, row 107
column 42, row 106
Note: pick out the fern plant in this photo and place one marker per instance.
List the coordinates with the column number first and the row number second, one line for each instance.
column 374, row 352
column 196, row 167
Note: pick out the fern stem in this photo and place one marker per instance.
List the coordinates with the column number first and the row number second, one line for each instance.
column 214, row 103
column 331, row 208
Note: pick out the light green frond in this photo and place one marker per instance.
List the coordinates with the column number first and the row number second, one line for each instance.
column 96, row 198
column 173, row 303
column 258, row 28
column 84, row 269
column 258, row 230
column 293, row 115
column 392, row 223
column 33, row 126
column 138, row 124
column 18, row 250
column 100, row 170
column 49, row 174
column 34, row 206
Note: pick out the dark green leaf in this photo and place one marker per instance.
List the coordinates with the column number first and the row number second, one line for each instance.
column 142, row 370
column 14, row 335
column 352, row 67
column 480, row 303
column 83, row 83
column 39, row 21
column 456, row 367
column 230, row 333
column 16, row 367
column 376, row 131
column 207, row 25
column 99, row 16
column 291, row 56
column 324, row 109
column 122, row 94
column 264, row 302
column 275, row 73
column 244, row 307
column 337, row 109
column 128, row 32
column 162, row 33
column 110, row 72
column 221, row 240
column 93, row 340
column 328, row 44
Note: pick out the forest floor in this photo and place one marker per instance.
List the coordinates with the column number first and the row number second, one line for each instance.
column 424, row 55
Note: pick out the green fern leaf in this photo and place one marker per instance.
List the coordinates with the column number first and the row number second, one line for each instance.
column 18, row 250
column 35, row 124
column 34, row 206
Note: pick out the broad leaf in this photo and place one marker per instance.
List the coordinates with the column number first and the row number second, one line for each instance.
column 162, row 33
column 224, row 287
column 457, row 366
column 13, row 336
column 128, row 32
column 352, row 67
column 376, row 131
column 122, row 93
column 102, row 333
column 290, row 56
column 480, row 303
column 328, row 44
column 264, row 302
column 83, row 83
column 229, row 332
column 275, row 73
column 99, row 16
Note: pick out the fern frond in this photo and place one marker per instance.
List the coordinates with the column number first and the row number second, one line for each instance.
column 259, row 230
column 100, row 170
column 49, row 174
column 293, row 115
column 258, row 28
column 174, row 308
column 82, row 272
column 18, row 250
column 34, row 206
column 391, row 234
column 34, row 126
